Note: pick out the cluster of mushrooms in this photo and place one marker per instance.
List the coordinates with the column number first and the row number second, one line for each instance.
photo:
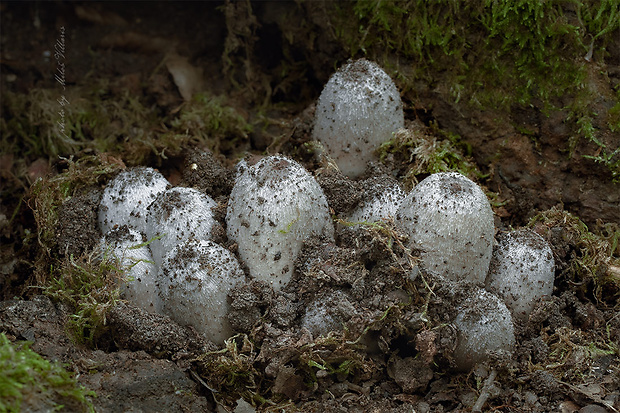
column 164, row 235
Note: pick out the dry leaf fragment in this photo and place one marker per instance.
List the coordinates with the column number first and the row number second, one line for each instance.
column 187, row 77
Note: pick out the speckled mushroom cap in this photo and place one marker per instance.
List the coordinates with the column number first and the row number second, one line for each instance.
column 175, row 216
column 521, row 271
column 196, row 279
column 449, row 220
column 380, row 201
column 127, row 196
column 484, row 325
column 141, row 287
column 274, row 206
column 359, row 109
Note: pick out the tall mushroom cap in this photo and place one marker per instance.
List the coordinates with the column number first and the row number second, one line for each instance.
column 141, row 287
column 484, row 325
column 127, row 196
column 176, row 215
column 521, row 271
column 449, row 220
column 197, row 277
column 359, row 109
column 274, row 206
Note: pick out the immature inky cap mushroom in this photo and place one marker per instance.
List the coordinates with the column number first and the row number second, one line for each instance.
column 449, row 220
column 380, row 201
column 127, row 196
column 175, row 216
column 274, row 206
column 484, row 325
column 521, row 271
column 359, row 109
column 196, row 279
column 141, row 286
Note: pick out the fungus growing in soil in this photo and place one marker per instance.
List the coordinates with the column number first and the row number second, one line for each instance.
column 127, row 196
column 521, row 271
column 274, row 206
column 175, row 216
column 359, row 109
column 141, row 287
column 380, row 201
column 196, row 277
column 449, row 220
column 484, row 325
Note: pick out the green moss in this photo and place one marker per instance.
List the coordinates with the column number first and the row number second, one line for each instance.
column 517, row 50
column 574, row 354
column 208, row 121
column 614, row 116
column 427, row 151
column 48, row 194
column 335, row 355
column 44, row 123
column 491, row 54
column 99, row 119
column 593, row 260
column 28, row 380
column 89, row 286
column 230, row 371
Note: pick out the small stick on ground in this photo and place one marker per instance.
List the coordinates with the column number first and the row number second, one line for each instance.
column 485, row 392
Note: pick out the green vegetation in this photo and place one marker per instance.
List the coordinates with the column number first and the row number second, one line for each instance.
column 428, row 151
column 209, row 121
column 513, row 44
column 47, row 195
column 97, row 118
column 89, row 285
column 592, row 260
column 335, row 355
column 27, row 379
column 491, row 54
column 575, row 354
column 231, row 372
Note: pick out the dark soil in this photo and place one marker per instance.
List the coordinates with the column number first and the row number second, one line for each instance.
column 394, row 352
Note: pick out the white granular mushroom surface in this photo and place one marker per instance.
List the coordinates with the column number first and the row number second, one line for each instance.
column 484, row 325
column 449, row 220
column 274, row 206
column 521, row 271
column 127, row 196
column 196, row 279
column 141, row 287
column 176, row 215
column 359, row 109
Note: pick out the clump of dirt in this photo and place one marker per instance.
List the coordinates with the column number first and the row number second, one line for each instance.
column 80, row 229
column 204, row 172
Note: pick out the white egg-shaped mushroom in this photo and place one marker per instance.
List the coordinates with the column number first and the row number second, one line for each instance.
column 197, row 277
column 274, row 206
column 359, row 109
column 127, row 196
column 176, row 215
column 379, row 201
column 141, row 287
column 449, row 220
column 484, row 326
column 521, row 271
